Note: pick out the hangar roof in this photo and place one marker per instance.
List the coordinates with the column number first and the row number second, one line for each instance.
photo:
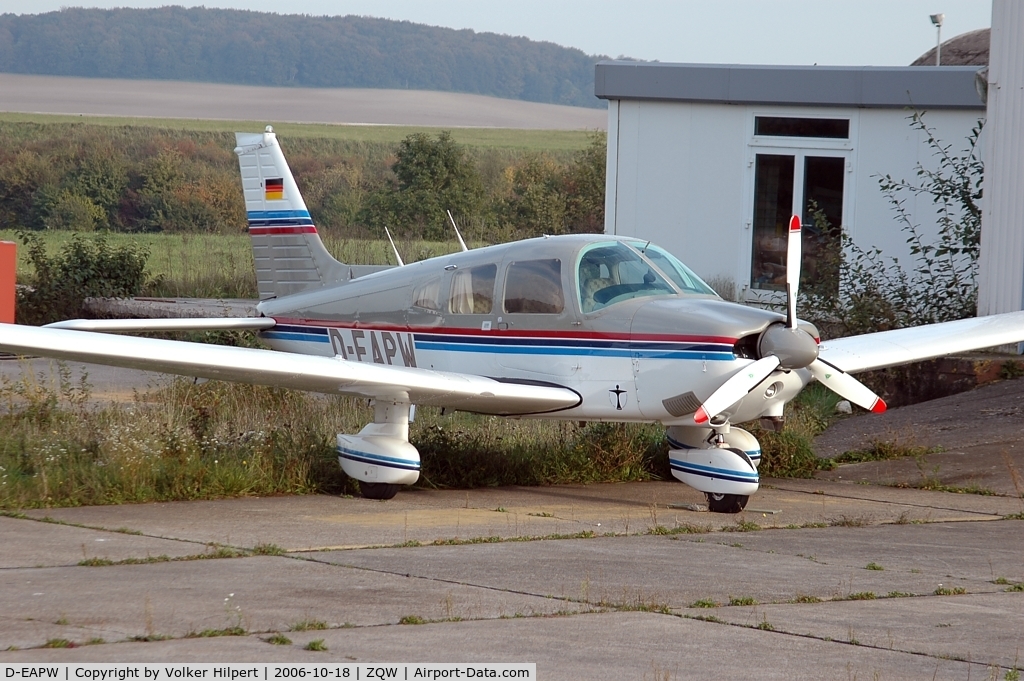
column 935, row 87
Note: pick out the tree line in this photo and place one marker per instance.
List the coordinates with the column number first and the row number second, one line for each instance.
column 259, row 48
column 86, row 178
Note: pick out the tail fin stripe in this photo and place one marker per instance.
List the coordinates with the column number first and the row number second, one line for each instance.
column 276, row 214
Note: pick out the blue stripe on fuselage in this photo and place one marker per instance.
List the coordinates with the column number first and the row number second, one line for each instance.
column 514, row 345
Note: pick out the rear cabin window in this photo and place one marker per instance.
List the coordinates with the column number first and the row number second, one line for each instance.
column 426, row 295
column 473, row 290
column 534, row 287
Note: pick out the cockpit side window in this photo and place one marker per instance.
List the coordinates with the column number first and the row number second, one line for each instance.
column 612, row 272
column 534, row 286
column 473, row 290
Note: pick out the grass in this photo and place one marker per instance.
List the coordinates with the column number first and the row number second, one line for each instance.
column 742, row 600
column 219, row 552
column 316, row 644
column 861, row 596
column 873, row 566
column 682, row 528
column 742, row 526
column 705, row 603
column 412, row 619
column 950, row 591
column 217, row 440
column 213, row 633
column 885, row 450
column 489, row 138
column 268, row 550
column 789, row 454
column 308, row 625
column 279, row 640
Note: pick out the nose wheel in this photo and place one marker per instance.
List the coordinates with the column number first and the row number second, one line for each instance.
column 381, row 490
column 726, row 503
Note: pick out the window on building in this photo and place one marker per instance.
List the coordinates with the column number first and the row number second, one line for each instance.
column 779, row 126
column 473, row 290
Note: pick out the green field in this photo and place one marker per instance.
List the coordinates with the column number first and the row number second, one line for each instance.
column 220, row 265
column 492, row 138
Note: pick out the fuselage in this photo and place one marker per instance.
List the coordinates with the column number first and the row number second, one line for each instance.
column 626, row 326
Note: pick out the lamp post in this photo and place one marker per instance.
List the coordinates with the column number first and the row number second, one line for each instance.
column 937, row 20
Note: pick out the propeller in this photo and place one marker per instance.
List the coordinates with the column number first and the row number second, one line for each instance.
column 787, row 347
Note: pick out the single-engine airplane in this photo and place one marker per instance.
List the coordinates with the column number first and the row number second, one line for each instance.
column 578, row 327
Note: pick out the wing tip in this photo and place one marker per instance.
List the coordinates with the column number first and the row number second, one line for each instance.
column 794, row 223
column 878, row 407
column 700, row 417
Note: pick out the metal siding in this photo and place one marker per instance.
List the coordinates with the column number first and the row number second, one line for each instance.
column 1001, row 285
column 865, row 86
column 611, row 167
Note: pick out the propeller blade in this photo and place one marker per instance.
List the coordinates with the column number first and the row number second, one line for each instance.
column 793, row 257
column 734, row 389
column 845, row 385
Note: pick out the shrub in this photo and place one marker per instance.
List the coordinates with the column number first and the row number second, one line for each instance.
column 82, row 269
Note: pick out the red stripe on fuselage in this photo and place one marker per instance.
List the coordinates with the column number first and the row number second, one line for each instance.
column 300, row 229
column 506, row 333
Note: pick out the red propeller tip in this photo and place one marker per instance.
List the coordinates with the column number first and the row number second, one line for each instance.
column 878, row 407
column 794, row 223
column 701, row 416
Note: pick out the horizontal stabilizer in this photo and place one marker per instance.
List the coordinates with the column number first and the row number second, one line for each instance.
column 167, row 324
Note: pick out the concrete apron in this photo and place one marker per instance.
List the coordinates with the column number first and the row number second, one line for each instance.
column 623, row 605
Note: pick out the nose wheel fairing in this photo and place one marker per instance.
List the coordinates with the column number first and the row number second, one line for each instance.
column 380, row 455
column 715, row 462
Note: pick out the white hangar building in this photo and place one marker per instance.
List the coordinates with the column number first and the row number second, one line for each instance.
column 710, row 161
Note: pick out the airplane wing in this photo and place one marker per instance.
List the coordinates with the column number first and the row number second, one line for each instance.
column 167, row 324
column 302, row 372
column 914, row 344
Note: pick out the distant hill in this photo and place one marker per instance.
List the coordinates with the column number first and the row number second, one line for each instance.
column 256, row 48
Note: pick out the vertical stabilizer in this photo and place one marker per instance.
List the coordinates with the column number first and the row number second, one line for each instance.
column 288, row 252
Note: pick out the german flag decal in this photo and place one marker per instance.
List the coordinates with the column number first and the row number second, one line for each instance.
column 275, row 189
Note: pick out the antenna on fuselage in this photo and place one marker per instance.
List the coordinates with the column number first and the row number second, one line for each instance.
column 461, row 242
column 393, row 247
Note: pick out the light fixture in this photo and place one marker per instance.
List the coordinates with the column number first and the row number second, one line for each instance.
column 937, row 21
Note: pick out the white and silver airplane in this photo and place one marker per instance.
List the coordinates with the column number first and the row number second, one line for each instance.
column 581, row 327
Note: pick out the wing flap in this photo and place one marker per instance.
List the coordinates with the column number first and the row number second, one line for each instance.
column 918, row 343
column 302, row 372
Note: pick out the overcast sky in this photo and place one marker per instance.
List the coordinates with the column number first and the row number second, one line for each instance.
column 847, row 32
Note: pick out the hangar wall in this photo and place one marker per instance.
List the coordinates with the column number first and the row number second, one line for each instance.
column 682, row 174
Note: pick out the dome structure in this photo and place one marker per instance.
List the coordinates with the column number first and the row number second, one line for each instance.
column 966, row 49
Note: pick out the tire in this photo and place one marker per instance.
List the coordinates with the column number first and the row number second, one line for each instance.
column 726, row 503
column 378, row 490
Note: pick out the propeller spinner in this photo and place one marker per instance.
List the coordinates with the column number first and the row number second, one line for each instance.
column 787, row 347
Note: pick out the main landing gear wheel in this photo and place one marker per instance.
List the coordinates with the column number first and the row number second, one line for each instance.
column 725, row 503
column 383, row 490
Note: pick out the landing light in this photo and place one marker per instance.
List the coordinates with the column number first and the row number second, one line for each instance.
column 771, row 390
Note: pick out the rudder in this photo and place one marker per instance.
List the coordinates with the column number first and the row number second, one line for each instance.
column 287, row 250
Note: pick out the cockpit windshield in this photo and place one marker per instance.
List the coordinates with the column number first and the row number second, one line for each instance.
column 679, row 273
column 612, row 272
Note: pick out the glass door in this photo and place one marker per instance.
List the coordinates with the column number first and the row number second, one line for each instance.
column 811, row 186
